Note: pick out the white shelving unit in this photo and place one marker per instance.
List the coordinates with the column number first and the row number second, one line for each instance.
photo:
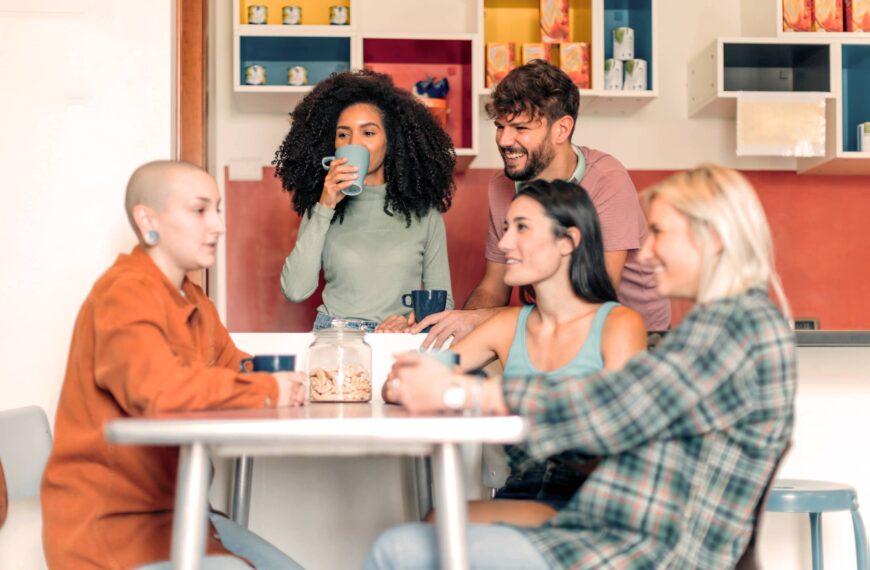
column 835, row 66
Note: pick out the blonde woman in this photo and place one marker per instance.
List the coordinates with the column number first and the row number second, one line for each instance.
column 689, row 434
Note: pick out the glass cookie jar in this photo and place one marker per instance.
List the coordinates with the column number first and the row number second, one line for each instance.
column 340, row 365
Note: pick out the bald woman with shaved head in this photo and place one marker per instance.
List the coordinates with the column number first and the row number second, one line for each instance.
column 146, row 341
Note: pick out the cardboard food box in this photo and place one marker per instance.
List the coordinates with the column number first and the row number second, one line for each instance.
column 574, row 60
column 535, row 51
column 856, row 17
column 828, row 16
column 555, row 26
column 499, row 62
column 797, row 15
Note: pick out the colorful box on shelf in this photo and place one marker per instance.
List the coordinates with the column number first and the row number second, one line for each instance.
column 828, row 16
column 574, row 60
column 500, row 58
column 856, row 16
column 555, row 26
column 797, row 15
column 535, row 51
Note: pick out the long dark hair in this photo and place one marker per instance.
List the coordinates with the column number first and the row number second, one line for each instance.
column 569, row 206
column 419, row 161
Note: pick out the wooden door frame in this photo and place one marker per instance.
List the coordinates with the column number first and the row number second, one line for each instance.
column 191, row 80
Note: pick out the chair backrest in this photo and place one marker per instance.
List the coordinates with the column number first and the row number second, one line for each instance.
column 25, row 443
column 748, row 560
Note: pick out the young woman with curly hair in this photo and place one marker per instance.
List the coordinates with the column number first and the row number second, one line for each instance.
column 386, row 241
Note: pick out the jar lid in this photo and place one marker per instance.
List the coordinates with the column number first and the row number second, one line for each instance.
column 340, row 328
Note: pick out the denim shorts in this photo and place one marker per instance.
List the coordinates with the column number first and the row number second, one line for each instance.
column 324, row 321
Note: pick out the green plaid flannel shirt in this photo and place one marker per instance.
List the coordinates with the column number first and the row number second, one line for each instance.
column 689, row 436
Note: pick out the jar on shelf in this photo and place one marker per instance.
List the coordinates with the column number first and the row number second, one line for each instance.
column 340, row 365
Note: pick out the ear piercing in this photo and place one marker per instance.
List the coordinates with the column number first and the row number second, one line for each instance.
column 152, row 237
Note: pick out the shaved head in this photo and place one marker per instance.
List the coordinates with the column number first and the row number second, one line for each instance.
column 152, row 183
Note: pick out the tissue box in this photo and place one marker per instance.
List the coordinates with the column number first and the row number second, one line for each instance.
column 574, row 60
column 856, row 17
column 499, row 62
column 535, row 51
column 828, row 16
column 797, row 15
column 554, row 21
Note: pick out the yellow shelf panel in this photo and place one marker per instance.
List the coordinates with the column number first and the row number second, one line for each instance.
column 314, row 12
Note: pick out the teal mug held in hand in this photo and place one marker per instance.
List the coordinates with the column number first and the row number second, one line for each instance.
column 356, row 155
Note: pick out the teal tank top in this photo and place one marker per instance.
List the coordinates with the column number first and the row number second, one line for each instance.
column 587, row 361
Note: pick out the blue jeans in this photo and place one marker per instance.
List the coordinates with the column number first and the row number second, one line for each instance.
column 324, row 321
column 242, row 542
column 414, row 546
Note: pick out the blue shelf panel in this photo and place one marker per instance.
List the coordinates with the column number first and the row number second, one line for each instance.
column 634, row 14
column 321, row 56
column 856, row 92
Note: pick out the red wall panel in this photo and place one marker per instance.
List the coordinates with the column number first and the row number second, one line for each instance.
column 820, row 228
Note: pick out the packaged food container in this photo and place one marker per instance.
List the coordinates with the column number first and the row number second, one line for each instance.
column 612, row 74
column 635, row 75
column 339, row 15
column 499, row 62
column 297, row 75
column 797, row 15
column 340, row 365
column 623, row 43
column 828, row 16
column 535, row 51
column 255, row 75
column 555, row 23
column 291, row 15
column 257, row 14
column 574, row 60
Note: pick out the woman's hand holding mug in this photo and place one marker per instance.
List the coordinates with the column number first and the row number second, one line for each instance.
column 340, row 177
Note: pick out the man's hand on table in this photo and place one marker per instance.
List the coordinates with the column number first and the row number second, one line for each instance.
column 292, row 388
column 451, row 323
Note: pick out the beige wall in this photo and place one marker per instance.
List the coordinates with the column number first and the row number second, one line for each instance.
column 86, row 98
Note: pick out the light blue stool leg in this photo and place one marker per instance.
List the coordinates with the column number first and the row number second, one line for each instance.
column 860, row 539
column 816, row 539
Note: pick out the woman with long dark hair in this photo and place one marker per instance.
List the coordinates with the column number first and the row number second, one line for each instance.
column 570, row 326
column 386, row 241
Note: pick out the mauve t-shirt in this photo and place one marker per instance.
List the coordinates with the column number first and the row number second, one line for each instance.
column 623, row 227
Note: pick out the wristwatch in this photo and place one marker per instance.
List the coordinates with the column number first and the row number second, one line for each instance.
column 454, row 396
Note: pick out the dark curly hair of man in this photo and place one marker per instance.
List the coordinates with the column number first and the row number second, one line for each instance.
column 419, row 161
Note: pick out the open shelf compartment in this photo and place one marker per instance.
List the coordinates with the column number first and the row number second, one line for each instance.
column 637, row 15
column 856, row 93
column 408, row 61
column 320, row 56
column 519, row 21
column 776, row 67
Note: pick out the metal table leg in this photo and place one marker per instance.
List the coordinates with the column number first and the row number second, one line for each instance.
column 191, row 508
column 240, row 506
column 452, row 519
column 423, row 476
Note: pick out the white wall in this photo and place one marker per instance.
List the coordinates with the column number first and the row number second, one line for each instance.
column 86, row 97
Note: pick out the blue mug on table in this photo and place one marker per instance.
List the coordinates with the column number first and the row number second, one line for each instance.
column 269, row 363
column 425, row 302
column 356, row 155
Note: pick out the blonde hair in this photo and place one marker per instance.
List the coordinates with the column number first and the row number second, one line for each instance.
column 722, row 209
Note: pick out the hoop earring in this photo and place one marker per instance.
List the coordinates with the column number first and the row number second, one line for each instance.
column 152, row 237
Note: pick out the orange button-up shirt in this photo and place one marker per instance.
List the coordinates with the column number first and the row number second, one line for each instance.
column 140, row 347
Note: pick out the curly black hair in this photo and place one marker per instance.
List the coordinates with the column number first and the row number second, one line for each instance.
column 419, row 161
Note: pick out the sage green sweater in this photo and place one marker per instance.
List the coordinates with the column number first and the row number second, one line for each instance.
column 369, row 260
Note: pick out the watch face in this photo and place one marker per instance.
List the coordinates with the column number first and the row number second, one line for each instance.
column 454, row 397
